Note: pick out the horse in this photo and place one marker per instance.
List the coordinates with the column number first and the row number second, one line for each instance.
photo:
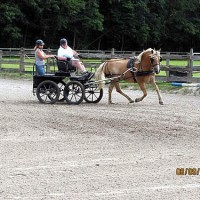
column 140, row 69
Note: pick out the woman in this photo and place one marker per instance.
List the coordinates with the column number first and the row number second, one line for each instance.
column 40, row 56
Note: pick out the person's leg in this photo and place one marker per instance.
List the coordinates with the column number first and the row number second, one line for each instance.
column 79, row 65
column 40, row 70
column 82, row 66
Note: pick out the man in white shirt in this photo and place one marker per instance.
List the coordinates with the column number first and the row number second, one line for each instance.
column 68, row 54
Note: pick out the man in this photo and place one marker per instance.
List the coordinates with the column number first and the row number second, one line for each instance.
column 66, row 53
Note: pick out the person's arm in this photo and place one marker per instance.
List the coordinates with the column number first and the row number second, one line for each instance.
column 43, row 56
column 75, row 53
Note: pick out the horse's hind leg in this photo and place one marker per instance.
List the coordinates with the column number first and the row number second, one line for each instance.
column 118, row 89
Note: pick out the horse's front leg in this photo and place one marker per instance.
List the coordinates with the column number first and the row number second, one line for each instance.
column 158, row 92
column 118, row 89
column 143, row 88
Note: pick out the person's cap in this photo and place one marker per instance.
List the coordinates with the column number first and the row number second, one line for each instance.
column 39, row 42
column 63, row 41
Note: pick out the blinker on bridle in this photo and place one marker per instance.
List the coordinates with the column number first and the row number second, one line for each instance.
column 152, row 59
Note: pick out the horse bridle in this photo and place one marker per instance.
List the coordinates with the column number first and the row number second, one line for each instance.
column 151, row 62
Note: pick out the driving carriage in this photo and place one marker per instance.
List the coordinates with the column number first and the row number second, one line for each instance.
column 141, row 70
column 65, row 85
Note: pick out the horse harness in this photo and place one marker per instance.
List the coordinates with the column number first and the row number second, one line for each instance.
column 130, row 67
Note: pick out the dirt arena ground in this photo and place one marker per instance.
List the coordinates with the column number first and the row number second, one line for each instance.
column 98, row 151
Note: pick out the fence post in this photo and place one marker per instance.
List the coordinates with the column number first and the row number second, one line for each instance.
column 112, row 52
column 190, row 66
column 21, row 64
column 168, row 66
column 102, row 59
column 133, row 54
column 1, row 53
column 48, row 61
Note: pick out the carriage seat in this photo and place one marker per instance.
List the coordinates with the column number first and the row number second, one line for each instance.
column 65, row 66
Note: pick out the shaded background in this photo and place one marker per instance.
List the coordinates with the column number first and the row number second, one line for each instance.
column 173, row 25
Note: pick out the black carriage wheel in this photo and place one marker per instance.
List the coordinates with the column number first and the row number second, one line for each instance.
column 92, row 93
column 74, row 92
column 48, row 92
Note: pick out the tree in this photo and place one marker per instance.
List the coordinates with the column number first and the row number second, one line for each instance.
column 102, row 24
column 119, row 23
column 182, row 24
column 10, row 17
column 86, row 23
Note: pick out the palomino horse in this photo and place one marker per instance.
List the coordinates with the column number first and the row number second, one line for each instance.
column 143, row 70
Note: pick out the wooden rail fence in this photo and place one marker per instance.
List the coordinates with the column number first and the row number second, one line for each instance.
column 23, row 60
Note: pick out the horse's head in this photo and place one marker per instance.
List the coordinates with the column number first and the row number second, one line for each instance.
column 150, row 60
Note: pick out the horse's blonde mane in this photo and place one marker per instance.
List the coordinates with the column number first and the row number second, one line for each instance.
column 149, row 49
column 154, row 51
column 139, row 57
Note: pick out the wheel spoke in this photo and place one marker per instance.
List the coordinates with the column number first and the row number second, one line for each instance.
column 48, row 92
column 74, row 92
column 88, row 95
column 92, row 94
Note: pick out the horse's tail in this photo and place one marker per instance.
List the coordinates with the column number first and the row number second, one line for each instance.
column 100, row 75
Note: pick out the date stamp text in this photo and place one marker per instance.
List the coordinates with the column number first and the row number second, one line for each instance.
column 187, row 171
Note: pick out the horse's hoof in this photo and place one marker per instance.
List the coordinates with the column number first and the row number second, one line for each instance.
column 161, row 103
column 111, row 103
column 137, row 100
column 131, row 101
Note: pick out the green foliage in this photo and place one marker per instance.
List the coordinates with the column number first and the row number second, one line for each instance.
column 9, row 18
column 173, row 25
column 92, row 18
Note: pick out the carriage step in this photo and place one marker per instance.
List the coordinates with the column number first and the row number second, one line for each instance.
column 60, row 73
column 84, row 77
column 77, row 78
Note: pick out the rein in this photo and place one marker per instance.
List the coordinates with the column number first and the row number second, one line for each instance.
column 119, row 77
